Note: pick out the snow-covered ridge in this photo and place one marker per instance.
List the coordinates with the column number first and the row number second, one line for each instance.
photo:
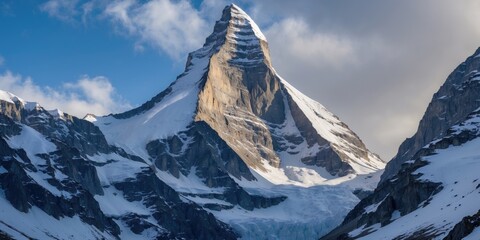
column 243, row 34
column 241, row 18
column 333, row 130
column 456, row 168
column 449, row 167
column 8, row 97
column 29, row 106
column 168, row 117
column 12, row 98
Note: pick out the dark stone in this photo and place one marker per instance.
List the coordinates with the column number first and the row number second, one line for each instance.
column 182, row 220
column 404, row 192
column 213, row 160
column 4, row 236
column 464, row 227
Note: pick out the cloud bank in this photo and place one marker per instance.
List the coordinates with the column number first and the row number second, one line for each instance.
column 87, row 95
column 173, row 27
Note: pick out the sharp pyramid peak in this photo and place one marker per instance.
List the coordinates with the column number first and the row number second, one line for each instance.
column 237, row 29
column 241, row 18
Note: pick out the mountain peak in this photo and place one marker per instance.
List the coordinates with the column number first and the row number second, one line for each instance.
column 13, row 99
column 240, row 19
column 231, row 86
column 238, row 37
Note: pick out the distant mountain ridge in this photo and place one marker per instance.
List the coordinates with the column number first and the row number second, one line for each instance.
column 450, row 105
column 431, row 192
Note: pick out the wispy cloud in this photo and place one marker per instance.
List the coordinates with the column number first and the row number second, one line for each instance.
column 64, row 10
column 86, row 95
column 73, row 11
column 173, row 27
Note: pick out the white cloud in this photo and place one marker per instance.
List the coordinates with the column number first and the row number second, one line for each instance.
column 299, row 41
column 87, row 95
column 72, row 11
column 62, row 9
column 173, row 27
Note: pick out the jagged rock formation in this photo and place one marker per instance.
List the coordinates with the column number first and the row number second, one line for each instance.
column 453, row 102
column 59, row 164
column 232, row 85
column 436, row 194
column 465, row 227
column 228, row 142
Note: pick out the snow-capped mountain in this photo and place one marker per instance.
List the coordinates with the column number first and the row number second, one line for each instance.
column 228, row 150
column 58, row 170
column 436, row 193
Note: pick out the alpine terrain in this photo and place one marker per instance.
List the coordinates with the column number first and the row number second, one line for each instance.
column 435, row 193
column 229, row 150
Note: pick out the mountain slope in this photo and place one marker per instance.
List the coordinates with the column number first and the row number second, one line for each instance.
column 270, row 135
column 229, row 149
column 231, row 86
column 450, row 105
column 435, row 194
column 58, row 169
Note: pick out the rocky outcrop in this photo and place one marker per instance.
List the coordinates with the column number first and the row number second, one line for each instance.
column 23, row 193
column 239, row 88
column 201, row 150
column 403, row 195
column 453, row 102
column 182, row 220
column 65, row 182
column 409, row 191
column 464, row 227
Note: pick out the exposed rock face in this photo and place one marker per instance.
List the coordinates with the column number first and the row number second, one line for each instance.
column 239, row 88
column 64, row 182
column 199, row 146
column 464, row 227
column 403, row 195
column 410, row 190
column 437, row 189
column 242, row 96
column 457, row 98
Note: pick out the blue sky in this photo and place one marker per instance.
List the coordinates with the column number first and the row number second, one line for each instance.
column 53, row 52
column 373, row 63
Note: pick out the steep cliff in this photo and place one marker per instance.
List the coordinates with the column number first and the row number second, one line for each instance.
column 435, row 194
column 450, row 105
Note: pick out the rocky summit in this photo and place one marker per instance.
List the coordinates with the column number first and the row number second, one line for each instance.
column 229, row 150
